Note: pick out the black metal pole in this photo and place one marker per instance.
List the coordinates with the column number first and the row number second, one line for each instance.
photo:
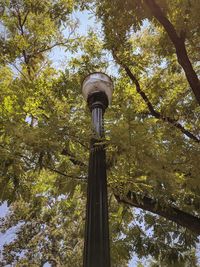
column 96, row 246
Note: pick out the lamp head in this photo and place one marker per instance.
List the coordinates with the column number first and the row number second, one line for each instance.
column 97, row 82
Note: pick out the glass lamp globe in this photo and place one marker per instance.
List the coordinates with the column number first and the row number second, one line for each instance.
column 97, row 82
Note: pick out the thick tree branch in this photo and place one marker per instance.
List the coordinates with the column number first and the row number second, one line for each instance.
column 182, row 218
column 155, row 113
column 179, row 44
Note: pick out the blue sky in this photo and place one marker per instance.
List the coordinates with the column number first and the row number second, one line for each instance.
column 58, row 55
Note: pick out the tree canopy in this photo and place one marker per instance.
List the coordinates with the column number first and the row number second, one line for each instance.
column 151, row 50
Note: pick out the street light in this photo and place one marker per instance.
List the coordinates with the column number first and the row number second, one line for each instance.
column 97, row 90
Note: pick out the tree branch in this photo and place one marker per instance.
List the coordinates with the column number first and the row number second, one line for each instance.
column 21, row 28
column 72, row 158
column 66, row 175
column 182, row 218
column 155, row 113
column 179, row 44
column 47, row 48
column 25, row 18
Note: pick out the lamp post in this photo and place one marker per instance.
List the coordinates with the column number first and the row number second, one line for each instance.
column 97, row 90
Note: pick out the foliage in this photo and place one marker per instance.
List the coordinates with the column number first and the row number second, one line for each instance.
column 152, row 131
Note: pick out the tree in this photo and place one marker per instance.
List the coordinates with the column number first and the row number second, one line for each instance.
column 152, row 130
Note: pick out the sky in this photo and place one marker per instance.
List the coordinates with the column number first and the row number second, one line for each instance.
column 58, row 55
